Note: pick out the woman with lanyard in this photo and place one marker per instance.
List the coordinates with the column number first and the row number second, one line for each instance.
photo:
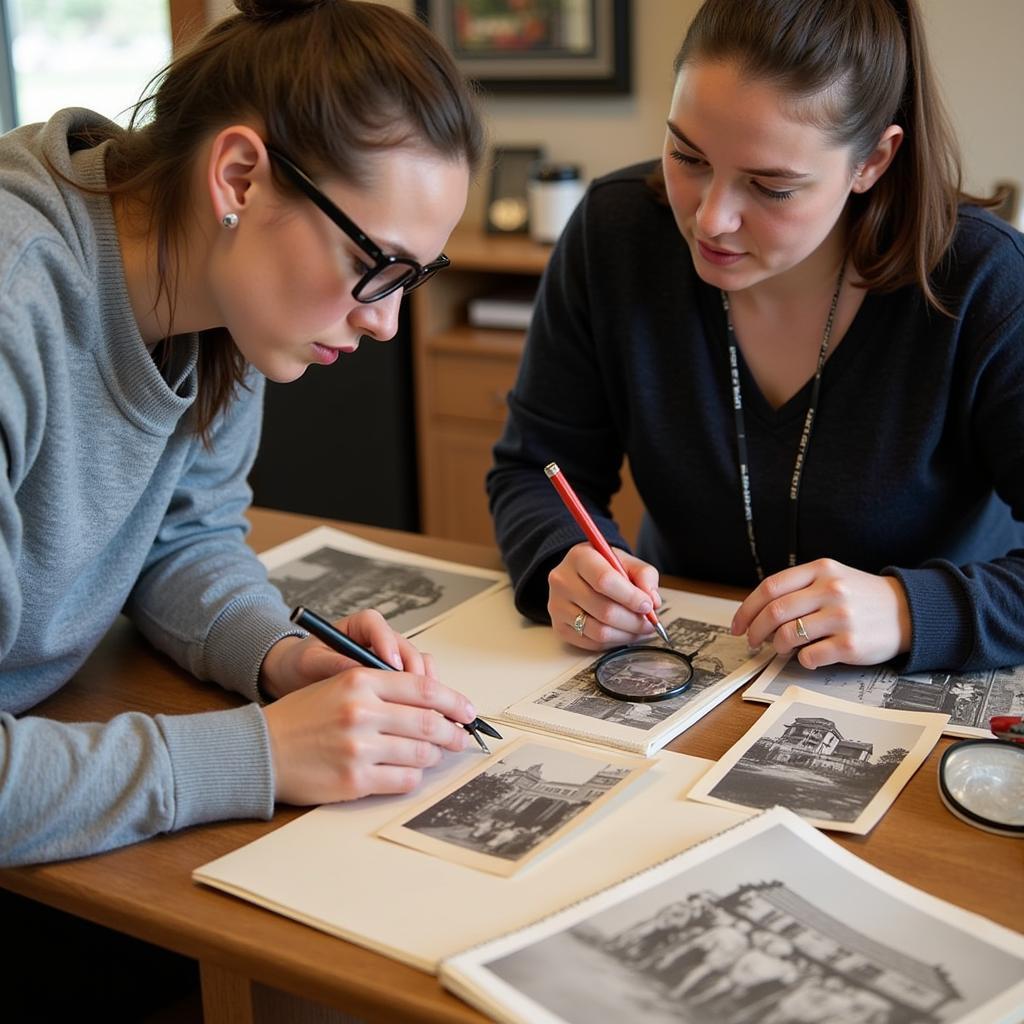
column 808, row 341
column 150, row 279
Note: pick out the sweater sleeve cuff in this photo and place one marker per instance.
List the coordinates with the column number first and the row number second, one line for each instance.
column 941, row 634
column 239, row 641
column 222, row 765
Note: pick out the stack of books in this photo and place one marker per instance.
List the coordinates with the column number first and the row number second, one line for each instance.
column 508, row 309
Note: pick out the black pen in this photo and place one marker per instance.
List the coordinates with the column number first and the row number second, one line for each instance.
column 338, row 641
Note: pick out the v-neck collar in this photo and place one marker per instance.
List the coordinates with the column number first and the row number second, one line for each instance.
column 755, row 403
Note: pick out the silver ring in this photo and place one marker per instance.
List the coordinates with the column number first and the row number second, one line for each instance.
column 800, row 630
column 580, row 622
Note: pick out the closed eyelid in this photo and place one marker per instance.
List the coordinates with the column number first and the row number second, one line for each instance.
column 787, row 174
column 775, row 194
column 689, row 160
column 765, row 189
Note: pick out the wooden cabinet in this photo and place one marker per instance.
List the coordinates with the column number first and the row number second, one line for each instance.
column 463, row 375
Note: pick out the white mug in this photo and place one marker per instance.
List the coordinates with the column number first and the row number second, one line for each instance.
column 553, row 192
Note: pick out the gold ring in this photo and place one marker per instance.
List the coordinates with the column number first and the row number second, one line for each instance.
column 580, row 622
column 800, row 630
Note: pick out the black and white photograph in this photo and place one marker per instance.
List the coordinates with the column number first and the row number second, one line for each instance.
column 768, row 923
column 836, row 765
column 409, row 592
column 504, row 814
column 969, row 698
column 716, row 654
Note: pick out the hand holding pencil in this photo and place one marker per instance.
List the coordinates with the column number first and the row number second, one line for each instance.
column 589, row 605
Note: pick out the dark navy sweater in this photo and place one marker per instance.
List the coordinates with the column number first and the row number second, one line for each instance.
column 915, row 466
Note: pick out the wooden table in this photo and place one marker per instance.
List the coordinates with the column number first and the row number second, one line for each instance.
column 146, row 890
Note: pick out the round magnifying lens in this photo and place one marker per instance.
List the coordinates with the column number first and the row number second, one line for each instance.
column 982, row 782
column 644, row 673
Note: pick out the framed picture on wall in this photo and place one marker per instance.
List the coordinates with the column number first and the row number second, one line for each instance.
column 532, row 46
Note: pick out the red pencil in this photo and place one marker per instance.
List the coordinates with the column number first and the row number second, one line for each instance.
column 594, row 535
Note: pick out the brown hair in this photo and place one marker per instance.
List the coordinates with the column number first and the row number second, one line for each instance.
column 330, row 81
column 854, row 67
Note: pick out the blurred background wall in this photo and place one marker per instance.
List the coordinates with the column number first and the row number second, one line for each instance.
column 976, row 48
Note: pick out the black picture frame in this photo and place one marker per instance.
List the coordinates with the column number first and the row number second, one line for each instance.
column 507, row 208
column 595, row 60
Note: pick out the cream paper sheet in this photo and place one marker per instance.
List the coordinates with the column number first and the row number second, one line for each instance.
column 328, row 869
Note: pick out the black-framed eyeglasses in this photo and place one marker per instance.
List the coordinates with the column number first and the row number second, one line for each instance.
column 388, row 273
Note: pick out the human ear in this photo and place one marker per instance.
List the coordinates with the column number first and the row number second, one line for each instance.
column 237, row 161
column 878, row 161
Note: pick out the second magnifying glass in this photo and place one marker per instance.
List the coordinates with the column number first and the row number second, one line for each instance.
column 982, row 783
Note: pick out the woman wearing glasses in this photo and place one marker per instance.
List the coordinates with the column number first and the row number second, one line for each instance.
column 292, row 176
column 808, row 341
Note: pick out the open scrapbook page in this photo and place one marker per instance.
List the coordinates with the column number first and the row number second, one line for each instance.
column 331, row 869
column 574, row 705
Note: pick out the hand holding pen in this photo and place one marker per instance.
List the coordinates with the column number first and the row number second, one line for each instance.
column 590, row 606
column 344, row 644
column 339, row 730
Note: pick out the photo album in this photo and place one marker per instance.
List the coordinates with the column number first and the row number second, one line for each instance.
column 543, row 821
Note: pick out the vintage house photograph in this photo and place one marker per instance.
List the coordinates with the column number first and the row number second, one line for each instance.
column 505, row 813
column 833, row 763
column 336, row 583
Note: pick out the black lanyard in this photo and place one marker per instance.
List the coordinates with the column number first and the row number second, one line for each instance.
column 805, row 436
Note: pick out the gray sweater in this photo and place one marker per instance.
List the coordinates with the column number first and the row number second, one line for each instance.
column 109, row 503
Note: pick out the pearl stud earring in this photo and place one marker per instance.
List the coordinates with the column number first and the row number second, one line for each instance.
column 230, row 220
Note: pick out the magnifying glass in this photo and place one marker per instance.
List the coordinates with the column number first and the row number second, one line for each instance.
column 982, row 783
column 644, row 674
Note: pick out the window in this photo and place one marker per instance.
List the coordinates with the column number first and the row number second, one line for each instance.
column 98, row 54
